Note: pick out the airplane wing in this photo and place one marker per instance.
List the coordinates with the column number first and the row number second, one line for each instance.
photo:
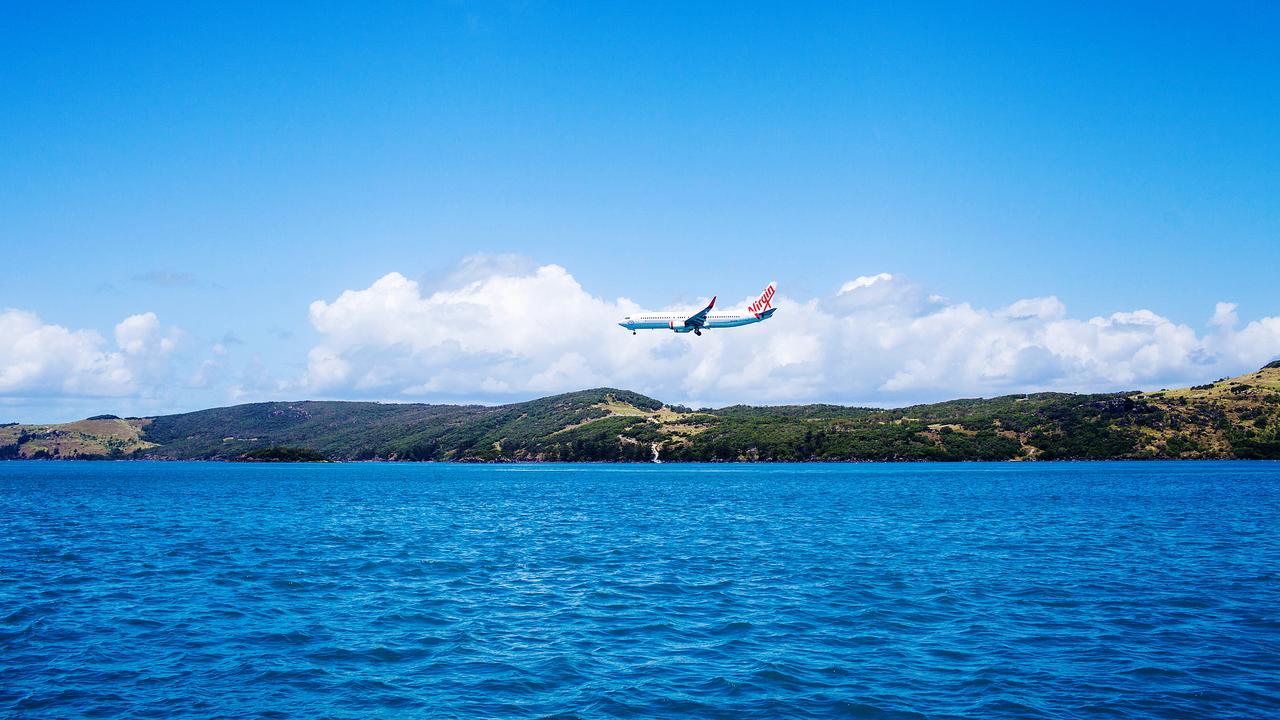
column 699, row 319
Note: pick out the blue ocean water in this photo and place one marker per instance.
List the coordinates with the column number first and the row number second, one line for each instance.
column 1125, row 590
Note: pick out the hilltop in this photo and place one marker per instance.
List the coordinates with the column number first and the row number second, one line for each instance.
column 1229, row 418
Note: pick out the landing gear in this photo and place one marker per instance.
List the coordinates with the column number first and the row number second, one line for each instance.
column 697, row 332
column 633, row 332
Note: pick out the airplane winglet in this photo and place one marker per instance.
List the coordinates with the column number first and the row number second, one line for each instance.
column 713, row 302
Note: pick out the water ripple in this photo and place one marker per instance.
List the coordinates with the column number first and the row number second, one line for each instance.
column 1128, row 590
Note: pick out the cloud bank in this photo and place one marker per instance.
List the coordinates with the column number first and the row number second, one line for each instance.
column 42, row 360
column 499, row 329
column 516, row 332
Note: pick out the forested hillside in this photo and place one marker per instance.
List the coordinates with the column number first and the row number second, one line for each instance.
column 1230, row 418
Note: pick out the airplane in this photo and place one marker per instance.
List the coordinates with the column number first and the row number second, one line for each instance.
column 758, row 311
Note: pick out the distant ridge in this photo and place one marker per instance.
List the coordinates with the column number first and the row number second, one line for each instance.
column 1229, row 418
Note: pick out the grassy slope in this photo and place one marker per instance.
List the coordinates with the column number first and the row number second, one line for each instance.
column 83, row 439
column 1233, row 417
column 1236, row 417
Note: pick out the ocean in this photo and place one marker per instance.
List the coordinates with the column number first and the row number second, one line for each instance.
column 1054, row 590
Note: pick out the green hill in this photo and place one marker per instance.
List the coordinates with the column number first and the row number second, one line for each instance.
column 1230, row 418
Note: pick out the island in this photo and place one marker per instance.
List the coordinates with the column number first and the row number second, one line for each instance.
column 1229, row 418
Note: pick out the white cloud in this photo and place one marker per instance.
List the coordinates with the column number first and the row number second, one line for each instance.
column 507, row 332
column 212, row 369
column 516, row 332
column 1224, row 316
column 865, row 281
column 38, row 359
column 139, row 334
column 1044, row 308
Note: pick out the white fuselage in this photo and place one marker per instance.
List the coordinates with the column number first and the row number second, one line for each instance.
column 675, row 321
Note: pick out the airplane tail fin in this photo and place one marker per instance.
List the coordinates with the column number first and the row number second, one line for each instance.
column 765, row 301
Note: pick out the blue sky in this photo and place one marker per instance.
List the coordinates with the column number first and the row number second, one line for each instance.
column 224, row 166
